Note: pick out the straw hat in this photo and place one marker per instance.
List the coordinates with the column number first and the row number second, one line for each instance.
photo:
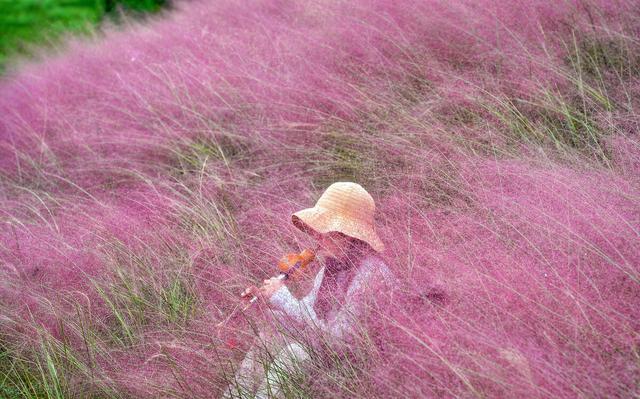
column 345, row 207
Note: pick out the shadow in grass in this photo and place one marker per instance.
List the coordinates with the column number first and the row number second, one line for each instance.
column 413, row 89
column 349, row 157
column 594, row 56
column 192, row 156
column 568, row 124
column 444, row 188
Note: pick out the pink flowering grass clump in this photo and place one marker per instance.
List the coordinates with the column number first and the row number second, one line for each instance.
column 147, row 177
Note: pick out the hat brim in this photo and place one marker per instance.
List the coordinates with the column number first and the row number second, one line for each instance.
column 318, row 220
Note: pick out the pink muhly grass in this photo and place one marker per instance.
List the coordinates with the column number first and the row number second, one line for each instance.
column 148, row 177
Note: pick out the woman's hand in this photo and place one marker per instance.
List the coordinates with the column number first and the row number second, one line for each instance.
column 268, row 288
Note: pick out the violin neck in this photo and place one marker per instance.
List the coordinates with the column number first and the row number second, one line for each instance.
column 287, row 274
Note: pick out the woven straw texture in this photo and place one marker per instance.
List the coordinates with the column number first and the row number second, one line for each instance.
column 345, row 207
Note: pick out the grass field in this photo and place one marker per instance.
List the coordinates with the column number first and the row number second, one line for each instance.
column 147, row 177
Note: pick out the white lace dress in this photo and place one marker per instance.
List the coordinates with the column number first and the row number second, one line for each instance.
column 298, row 315
column 371, row 271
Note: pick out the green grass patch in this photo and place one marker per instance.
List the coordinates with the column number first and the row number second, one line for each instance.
column 345, row 156
column 595, row 56
column 48, row 368
column 208, row 217
column 347, row 160
column 25, row 24
column 40, row 377
column 192, row 156
column 146, row 288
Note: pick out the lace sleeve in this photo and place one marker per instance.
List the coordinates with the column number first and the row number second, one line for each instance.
column 301, row 311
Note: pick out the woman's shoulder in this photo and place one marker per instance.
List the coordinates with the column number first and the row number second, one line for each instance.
column 373, row 263
column 374, row 260
column 372, row 274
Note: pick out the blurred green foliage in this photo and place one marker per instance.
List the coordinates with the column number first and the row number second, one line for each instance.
column 24, row 23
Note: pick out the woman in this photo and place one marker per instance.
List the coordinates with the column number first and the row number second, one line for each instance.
column 343, row 223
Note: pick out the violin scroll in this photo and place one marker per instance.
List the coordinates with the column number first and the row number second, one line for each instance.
column 291, row 265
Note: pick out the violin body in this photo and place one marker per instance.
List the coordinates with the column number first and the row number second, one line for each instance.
column 293, row 265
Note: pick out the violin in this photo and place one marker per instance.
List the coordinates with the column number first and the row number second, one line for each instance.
column 291, row 265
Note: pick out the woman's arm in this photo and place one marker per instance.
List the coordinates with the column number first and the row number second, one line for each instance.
column 301, row 311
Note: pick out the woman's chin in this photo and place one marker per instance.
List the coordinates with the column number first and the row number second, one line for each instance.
column 323, row 252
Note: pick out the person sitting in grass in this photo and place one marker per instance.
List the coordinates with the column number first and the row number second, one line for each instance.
column 342, row 222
